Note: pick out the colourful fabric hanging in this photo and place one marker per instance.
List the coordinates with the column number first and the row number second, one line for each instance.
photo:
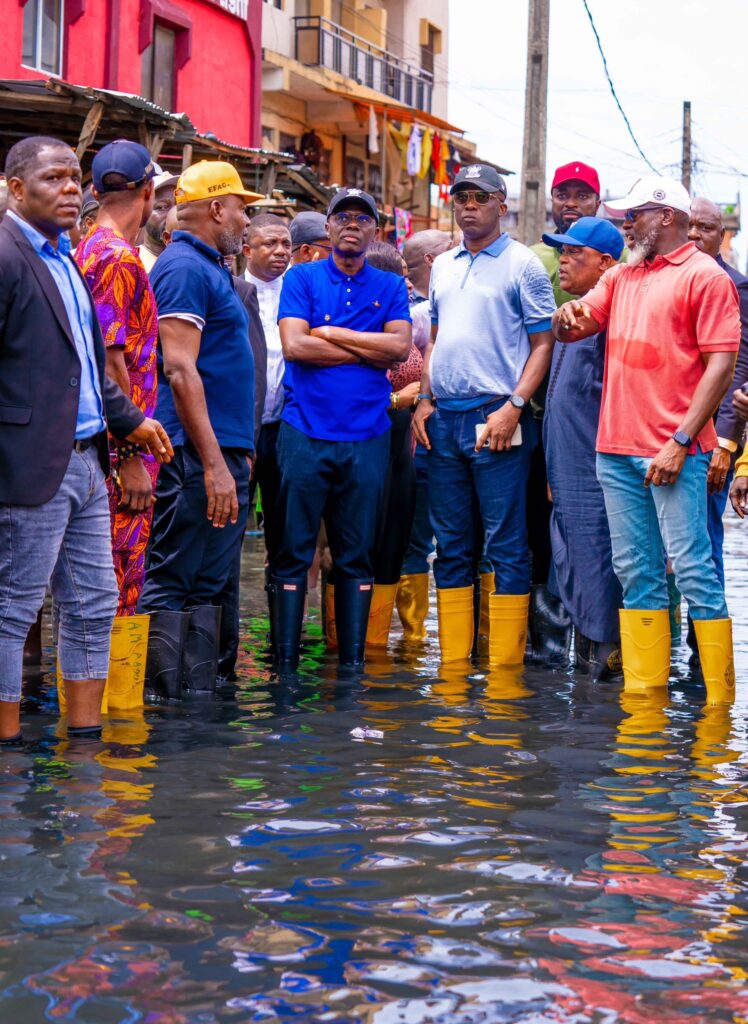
column 414, row 151
column 426, row 147
column 403, row 226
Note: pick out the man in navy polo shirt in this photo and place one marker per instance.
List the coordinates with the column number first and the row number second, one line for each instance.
column 206, row 395
column 343, row 324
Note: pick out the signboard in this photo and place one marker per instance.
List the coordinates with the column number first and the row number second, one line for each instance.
column 239, row 8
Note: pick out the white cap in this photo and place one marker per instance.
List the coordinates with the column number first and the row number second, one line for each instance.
column 165, row 178
column 652, row 190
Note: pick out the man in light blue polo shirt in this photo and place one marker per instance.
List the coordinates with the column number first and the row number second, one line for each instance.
column 342, row 323
column 491, row 345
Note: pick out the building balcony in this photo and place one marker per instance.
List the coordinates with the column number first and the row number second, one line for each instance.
column 322, row 43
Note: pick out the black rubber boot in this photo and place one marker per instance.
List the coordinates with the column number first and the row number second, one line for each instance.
column 352, row 603
column 550, row 628
column 167, row 632
column 286, row 601
column 605, row 661
column 200, row 662
column 582, row 651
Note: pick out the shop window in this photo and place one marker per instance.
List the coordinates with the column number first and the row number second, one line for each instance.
column 354, row 172
column 431, row 44
column 43, row 22
column 286, row 143
column 158, row 67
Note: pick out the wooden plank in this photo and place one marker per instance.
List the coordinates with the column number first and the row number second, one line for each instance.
column 89, row 129
column 186, row 156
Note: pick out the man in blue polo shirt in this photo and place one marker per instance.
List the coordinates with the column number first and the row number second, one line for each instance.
column 206, row 395
column 343, row 324
column 491, row 344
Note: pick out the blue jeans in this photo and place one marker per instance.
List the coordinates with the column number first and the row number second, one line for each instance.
column 64, row 545
column 340, row 481
column 716, row 505
column 469, row 489
column 644, row 522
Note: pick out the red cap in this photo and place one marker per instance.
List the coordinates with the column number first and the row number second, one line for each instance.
column 577, row 171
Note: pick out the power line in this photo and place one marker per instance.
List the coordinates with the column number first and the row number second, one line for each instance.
column 613, row 91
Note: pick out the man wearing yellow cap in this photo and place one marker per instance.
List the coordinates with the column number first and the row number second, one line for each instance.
column 206, row 394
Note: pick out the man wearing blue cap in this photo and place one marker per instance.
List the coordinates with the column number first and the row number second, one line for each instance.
column 580, row 538
column 342, row 323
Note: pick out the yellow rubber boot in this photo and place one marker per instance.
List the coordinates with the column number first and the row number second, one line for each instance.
column 412, row 602
column 380, row 614
column 331, row 629
column 645, row 648
column 714, row 637
column 487, row 587
column 127, row 657
column 456, row 622
column 507, row 634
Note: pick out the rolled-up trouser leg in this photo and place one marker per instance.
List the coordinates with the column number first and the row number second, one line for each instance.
column 64, row 544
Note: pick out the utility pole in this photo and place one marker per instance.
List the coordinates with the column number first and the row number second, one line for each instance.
column 532, row 192
column 685, row 173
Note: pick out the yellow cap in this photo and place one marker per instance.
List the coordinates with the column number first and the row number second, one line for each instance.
column 210, row 179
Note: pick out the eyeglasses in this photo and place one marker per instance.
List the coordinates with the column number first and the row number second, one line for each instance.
column 364, row 220
column 631, row 215
column 481, row 198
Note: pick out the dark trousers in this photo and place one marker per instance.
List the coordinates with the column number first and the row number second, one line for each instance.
column 539, row 516
column 398, row 503
column 421, row 542
column 267, row 478
column 463, row 482
column 342, row 481
column 189, row 560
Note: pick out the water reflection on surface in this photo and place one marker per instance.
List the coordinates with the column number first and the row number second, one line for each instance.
column 420, row 845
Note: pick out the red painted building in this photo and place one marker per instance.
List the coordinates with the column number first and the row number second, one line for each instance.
column 200, row 57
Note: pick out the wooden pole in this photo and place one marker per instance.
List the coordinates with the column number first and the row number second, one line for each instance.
column 532, row 192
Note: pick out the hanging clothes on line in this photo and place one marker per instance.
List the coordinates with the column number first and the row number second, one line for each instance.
column 403, row 226
column 373, row 132
column 414, row 151
column 426, row 147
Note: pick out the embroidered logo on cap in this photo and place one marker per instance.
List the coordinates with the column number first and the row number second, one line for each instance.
column 658, row 194
column 353, row 192
column 474, row 171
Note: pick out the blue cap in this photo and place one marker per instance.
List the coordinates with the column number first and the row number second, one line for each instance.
column 127, row 159
column 593, row 232
column 352, row 197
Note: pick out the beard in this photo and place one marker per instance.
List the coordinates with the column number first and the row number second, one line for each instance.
column 643, row 249
column 230, row 242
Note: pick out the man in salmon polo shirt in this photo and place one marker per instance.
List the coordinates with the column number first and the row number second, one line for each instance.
column 673, row 329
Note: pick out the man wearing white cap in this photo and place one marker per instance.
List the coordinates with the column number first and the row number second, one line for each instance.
column 153, row 242
column 673, row 328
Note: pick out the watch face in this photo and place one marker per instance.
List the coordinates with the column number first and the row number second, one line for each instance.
column 517, row 401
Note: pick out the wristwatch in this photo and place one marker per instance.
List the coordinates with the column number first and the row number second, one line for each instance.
column 681, row 437
column 517, row 401
column 424, row 397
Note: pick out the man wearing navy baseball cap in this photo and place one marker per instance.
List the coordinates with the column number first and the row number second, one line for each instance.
column 343, row 324
column 582, row 575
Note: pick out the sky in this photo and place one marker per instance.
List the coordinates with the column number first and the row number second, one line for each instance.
column 659, row 53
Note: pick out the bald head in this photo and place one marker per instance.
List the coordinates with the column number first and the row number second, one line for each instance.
column 706, row 227
column 420, row 251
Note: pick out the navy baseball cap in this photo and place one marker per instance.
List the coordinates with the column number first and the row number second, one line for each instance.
column 348, row 196
column 480, row 177
column 592, row 232
column 128, row 159
column 308, row 227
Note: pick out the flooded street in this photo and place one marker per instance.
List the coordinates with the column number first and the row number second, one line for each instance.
column 411, row 846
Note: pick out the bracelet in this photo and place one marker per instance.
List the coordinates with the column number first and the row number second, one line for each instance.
column 395, row 400
column 425, row 397
column 127, row 451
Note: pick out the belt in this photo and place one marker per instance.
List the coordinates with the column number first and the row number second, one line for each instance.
column 84, row 444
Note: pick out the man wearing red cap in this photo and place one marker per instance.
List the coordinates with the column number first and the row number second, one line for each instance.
column 575, row 193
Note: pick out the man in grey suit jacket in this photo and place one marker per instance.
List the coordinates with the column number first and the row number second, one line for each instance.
column 56, row 404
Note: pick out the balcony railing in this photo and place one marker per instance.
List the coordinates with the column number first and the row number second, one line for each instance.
column 322, row 43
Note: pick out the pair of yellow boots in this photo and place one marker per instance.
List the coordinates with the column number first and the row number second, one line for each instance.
column 410, row 595
column 645, row 647
column 505, row 624
column 127, row 658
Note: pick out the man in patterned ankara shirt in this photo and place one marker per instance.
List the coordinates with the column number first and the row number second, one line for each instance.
column 123, row 181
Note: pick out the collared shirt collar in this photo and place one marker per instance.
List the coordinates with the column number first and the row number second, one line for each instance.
column 494, row 249
column 273, row 286
column 197, row 243
column 337, row 276
column 38, row 241
column 677, row 256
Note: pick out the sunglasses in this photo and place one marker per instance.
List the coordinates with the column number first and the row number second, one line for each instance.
column 364, row 220
column 481, row 198
column 631, row 215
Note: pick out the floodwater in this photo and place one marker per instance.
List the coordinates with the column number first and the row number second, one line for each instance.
column 405, row 848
